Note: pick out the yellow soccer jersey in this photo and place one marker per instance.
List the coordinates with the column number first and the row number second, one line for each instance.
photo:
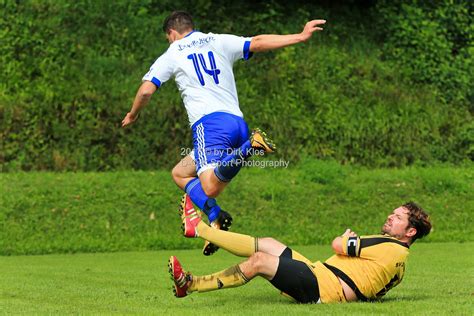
column 371, row 265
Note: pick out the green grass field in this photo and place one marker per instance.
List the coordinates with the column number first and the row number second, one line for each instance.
column 439, row 280
column 111, row 214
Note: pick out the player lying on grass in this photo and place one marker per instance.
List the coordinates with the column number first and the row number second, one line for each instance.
column 363, row 268
column 201, row 65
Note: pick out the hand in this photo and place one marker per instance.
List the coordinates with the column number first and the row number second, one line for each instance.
column 310, row 28
column 349, row 233
column 129, row 119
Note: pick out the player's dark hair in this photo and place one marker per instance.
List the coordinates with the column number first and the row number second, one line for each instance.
column 418, row 219
column 179, row 21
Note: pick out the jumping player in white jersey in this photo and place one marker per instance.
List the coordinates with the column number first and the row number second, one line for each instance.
column 201, row 64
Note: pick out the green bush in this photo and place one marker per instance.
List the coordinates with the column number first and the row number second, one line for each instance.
column 69, row 72
column 432, row 42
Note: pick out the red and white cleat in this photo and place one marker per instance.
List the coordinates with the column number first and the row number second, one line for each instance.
column 190, row 217
column 179, row 277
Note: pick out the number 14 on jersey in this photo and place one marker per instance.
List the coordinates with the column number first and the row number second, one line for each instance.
column 199, row 61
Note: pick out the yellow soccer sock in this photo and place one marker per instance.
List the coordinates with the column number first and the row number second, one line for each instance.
column 230, row 277
column 237, row 244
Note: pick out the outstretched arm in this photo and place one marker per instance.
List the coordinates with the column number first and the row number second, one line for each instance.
column 262, row 43
column 142, row 98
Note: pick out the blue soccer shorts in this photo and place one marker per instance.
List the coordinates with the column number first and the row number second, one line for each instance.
column 216, row 136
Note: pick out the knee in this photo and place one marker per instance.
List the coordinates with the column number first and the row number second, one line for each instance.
column 175, row 174
column 211, row 190
column 256, row 261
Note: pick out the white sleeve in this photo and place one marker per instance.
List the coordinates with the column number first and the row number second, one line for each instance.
column 161, row 71
column 235, row 47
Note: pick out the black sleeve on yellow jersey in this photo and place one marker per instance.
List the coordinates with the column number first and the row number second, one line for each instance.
column 367, row 241
column 353, row 245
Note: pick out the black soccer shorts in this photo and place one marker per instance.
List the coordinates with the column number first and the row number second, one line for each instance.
column 296, row 279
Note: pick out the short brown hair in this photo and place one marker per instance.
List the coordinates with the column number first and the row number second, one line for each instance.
column 179, row 21
column 418, row 219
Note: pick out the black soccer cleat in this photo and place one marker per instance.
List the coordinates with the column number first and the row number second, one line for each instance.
column 223, row 222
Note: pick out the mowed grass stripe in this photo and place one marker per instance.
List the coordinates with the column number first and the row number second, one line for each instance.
column 308, row 204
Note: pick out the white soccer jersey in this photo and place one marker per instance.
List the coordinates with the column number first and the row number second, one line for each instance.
column 202, row 67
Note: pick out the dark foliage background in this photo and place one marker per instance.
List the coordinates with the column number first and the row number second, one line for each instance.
column 388, row 83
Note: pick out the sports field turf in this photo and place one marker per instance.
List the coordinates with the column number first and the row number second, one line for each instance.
column 439, row 280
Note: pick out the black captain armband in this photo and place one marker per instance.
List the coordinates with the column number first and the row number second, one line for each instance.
column 353, row 245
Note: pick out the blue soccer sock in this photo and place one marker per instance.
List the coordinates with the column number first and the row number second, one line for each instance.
column 208, row 205
column 231, row 165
